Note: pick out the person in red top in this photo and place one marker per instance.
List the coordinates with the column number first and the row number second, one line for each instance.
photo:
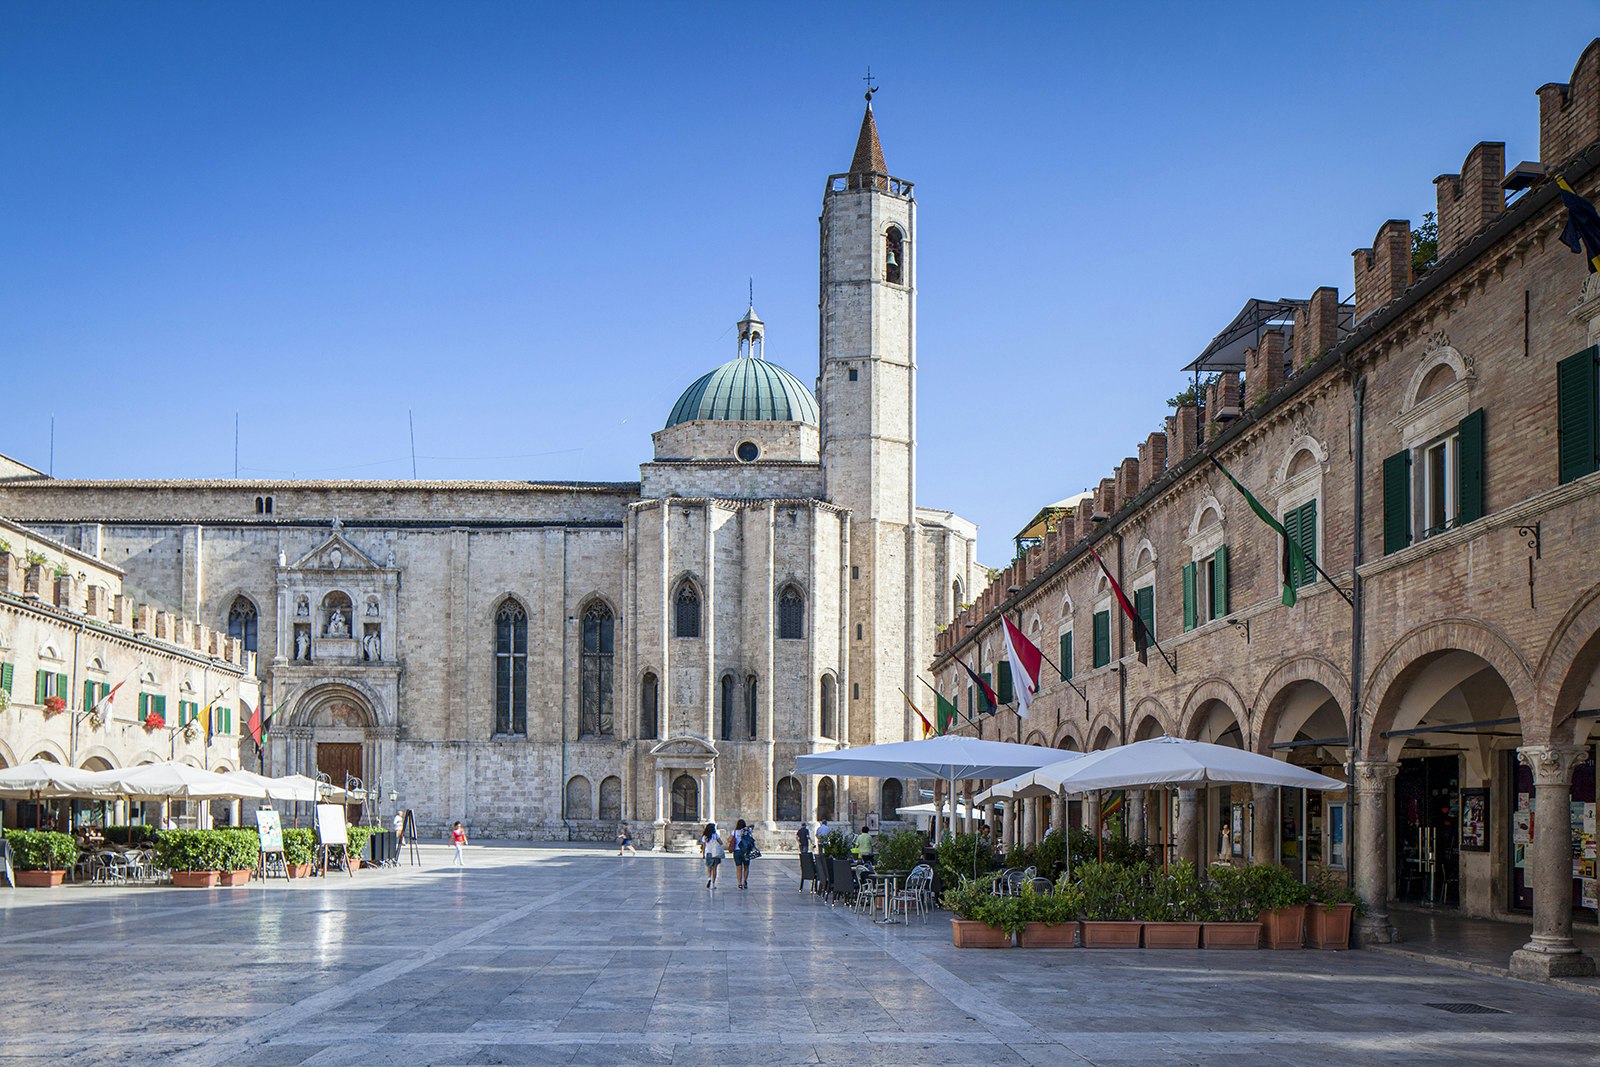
column 458, row 838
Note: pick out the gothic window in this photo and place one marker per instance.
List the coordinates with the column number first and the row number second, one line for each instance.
column 829, row 727
column 825, row 799
column 786, row 805
column 750, row 705
column 242, row 623
column 578, row 799
column 649, row 705
column 893, row 794
column 611, row 798
column 686, row 610
column 791, row 614
column 955, row 598
column 728, row 710
column 599, row 645
column 511, row 669
column 894, row 256
column 685, row 799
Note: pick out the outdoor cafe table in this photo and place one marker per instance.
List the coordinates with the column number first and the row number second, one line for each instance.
column 888, row 882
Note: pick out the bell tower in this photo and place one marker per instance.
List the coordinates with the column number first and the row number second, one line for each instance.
column 867, row 388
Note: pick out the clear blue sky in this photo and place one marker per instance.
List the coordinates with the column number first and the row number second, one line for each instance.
column 533, row 224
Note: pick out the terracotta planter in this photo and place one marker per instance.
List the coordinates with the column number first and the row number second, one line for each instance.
column 235, row 877
column 969, row 933
column 1048, row 935
column 194, row 879
column 1102, row 934
column 299, row 870
column 1171, row 935
column 1284, row 927
column 39, row 879
column 1329, row 926
column 1231, row 935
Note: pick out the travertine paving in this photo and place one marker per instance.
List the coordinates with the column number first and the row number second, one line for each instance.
column 573, row 956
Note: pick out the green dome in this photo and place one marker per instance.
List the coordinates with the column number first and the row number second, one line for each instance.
column 746, row 388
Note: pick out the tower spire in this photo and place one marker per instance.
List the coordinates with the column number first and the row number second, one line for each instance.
column 869, row 150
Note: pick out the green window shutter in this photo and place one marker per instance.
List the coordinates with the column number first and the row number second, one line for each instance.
column 144, row 706
column 1188, row 597
column 63, row 687
column 39, row 686
column 1144, row 605
column 1003, row 690
column 88, row 696
column 159, row 706
column 1219, row 583
column 970, row 701
column 1066, row 655
column 6, row 672
column 988, row 680
column 1577, row 439
column 1102, row 638
column 1469, row 468
column 1397, row 501
column 1308, row 543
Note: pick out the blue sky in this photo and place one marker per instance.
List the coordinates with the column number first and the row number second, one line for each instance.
column 532, row 225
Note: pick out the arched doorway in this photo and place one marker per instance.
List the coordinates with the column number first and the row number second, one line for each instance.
column 1224, row 811
column 787, row 799
column 333, row 734
column 893, row 799
column 1305, row 830
column 825, row 799
column 685, row 799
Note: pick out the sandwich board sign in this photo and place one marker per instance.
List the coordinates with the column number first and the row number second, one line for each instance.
column 271, row 830
column 330, row 824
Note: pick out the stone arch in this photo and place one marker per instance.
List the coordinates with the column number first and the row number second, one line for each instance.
column 1274, row 691
column 1036, row 737
column 189, row 761
column 579, row 798
column 355, row 696
column 1103, row 720
column 1218, row 690
column 51, row 751
column 1145, row 548
column 1149, row 712
column 1066, row 738
column 788, row 805
column 495, row 606
column 1569, row 660
column 1443, row 356
column 1208, row 502
column 8, row 758
column 1304, row 443
column 99, row 752
column 141, row 759
column 223, row 764
column 95, row 763
column 610, row 798
column 1104, row 739
column 1407, row 657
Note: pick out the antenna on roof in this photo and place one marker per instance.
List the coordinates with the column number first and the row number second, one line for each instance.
column 52, row 444
column 411, row 423
column 752, row 291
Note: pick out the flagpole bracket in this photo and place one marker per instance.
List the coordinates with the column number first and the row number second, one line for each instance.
column 1242, row 625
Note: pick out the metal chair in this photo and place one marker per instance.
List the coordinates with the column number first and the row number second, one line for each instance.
column 808, row 870
column 1044, row 887
column 914, row 894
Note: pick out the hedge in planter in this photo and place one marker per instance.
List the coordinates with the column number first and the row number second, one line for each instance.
column 1047, row 920
column 1281, row 904
column 1229, row 912
column 900, row 851
column 207, row 850
column 299, row 851
column 964, row 856
column 1333, row 905
column 1173, row 905
column 130, row 836
column 1111, row 901
column 42, row 857
column 981, row 919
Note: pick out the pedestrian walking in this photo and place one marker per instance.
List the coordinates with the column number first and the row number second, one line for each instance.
column 625, row 841
column 802, row 837
column 711, row 848
column 744, row 848
column 458, row 838
column 822, row 832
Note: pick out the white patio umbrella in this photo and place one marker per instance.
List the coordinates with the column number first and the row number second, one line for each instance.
column 163, row 781
column 292, row 787
column 43, row 780
column 1168, row 761
column 1021, row 787
column 928, row 811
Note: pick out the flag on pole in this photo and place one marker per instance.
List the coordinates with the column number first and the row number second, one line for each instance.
column 1290, row 554
column 1025, row 665
column 927, row 727
column 990, row 701
column 205, row 715
column 1582, row 234
column 105, row 701
column 257, row 725
column 1141, row 635
column 947, row 714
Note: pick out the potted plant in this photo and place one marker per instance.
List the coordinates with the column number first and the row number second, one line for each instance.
column 299, row 851
column 1108, row 902
column 980, row 919
column 239, row 851
column 1174, row 900
column 196, row 858
column 1048, row 920
column 356, row 844
column 900, row 851
column 1228, row 910
column 963, row 856
column 1333, row 904
column 54, row 706
column 153, row 722
column 42, row 857
column 1281, row 900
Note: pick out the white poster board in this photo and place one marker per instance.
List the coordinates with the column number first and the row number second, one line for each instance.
column 271, row 830
column 330, row 824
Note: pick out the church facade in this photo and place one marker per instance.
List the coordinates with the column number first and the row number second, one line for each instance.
column 545, row 659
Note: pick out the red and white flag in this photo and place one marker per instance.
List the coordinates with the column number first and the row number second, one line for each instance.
column 1025, row 658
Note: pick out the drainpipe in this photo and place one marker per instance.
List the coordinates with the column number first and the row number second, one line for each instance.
column 1356, row 605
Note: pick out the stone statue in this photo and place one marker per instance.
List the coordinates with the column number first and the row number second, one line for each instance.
column 389, row 562
column 372, row 607
column 337, row 556
column 337, row 624
column 303, row 609
column 302, row 645
column 371, row 647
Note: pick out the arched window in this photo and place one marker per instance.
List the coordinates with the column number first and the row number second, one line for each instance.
column 786, row 799
column 611, row 798
column 685, row 799
column 242, row 622
column 578, row 799
column 955, row 598
column 686, row 610
column 893, row 794
column 791, row 614
column 599, row 645
column 511, row 669
column 829, row 726
column 894, row 256
column 729, row 711
column 750, row 716
column 649, row 708
column 825, row 799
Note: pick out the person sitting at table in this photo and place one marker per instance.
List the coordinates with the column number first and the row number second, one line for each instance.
column 863, row 845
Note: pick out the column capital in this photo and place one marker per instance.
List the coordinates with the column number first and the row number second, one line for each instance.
column 1374, row 776
column 1552, row 764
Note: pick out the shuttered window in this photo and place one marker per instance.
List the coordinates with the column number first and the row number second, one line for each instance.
column 1003, row 691
column 1577, row 436
column 1469, row 468
column 1144, row 605
column 1066, row 655
column 1188, row 597
column 1396, row 502
column 1301, row 523
column 1102, row 638
column 7, row 671
column 1219, row 582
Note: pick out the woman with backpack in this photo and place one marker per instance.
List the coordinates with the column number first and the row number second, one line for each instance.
column 711, row 849
column 744, row 846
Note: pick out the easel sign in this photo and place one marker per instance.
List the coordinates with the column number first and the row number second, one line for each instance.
column 330, row 832
column 271, row 829
column 408, row 835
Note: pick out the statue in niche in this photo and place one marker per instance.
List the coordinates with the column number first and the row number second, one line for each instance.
column 336, row 557
column 371, row 647
column 302, row 610
column 372, row 607
column 302, row 645
column 338, row 625
column 389, row 562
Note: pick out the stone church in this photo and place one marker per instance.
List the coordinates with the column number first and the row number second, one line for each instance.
column 541, row 659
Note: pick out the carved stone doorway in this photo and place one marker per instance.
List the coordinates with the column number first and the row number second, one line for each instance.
column 339, row 760
column 685, row 799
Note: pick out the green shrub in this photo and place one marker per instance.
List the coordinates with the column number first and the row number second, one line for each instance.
column 42, row 850
column 1021, row 856
column 955, row 857
column 357, row 836
column 1175, row 896
column 1110, row 892
column 1052, row 909
column 207, row 850
column 1273, row 887
column 1051, row 854
column 1127, row 852
column 974, row 899
column 1327, row 889
column 1228, row 897
column 299, row 846
column 128, row 836
column 836, row 845
column 900, row 851
column 1083, row 847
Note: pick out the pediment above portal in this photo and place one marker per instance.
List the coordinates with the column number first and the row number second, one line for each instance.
column 336, row 553
column 684, row 750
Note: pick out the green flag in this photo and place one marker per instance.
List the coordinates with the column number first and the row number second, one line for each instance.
column 1292, row 553
column 948, row 714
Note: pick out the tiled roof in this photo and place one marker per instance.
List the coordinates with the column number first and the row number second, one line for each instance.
column 869, row 150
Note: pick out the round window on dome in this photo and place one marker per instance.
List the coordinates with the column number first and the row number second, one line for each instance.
column 747, row 452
